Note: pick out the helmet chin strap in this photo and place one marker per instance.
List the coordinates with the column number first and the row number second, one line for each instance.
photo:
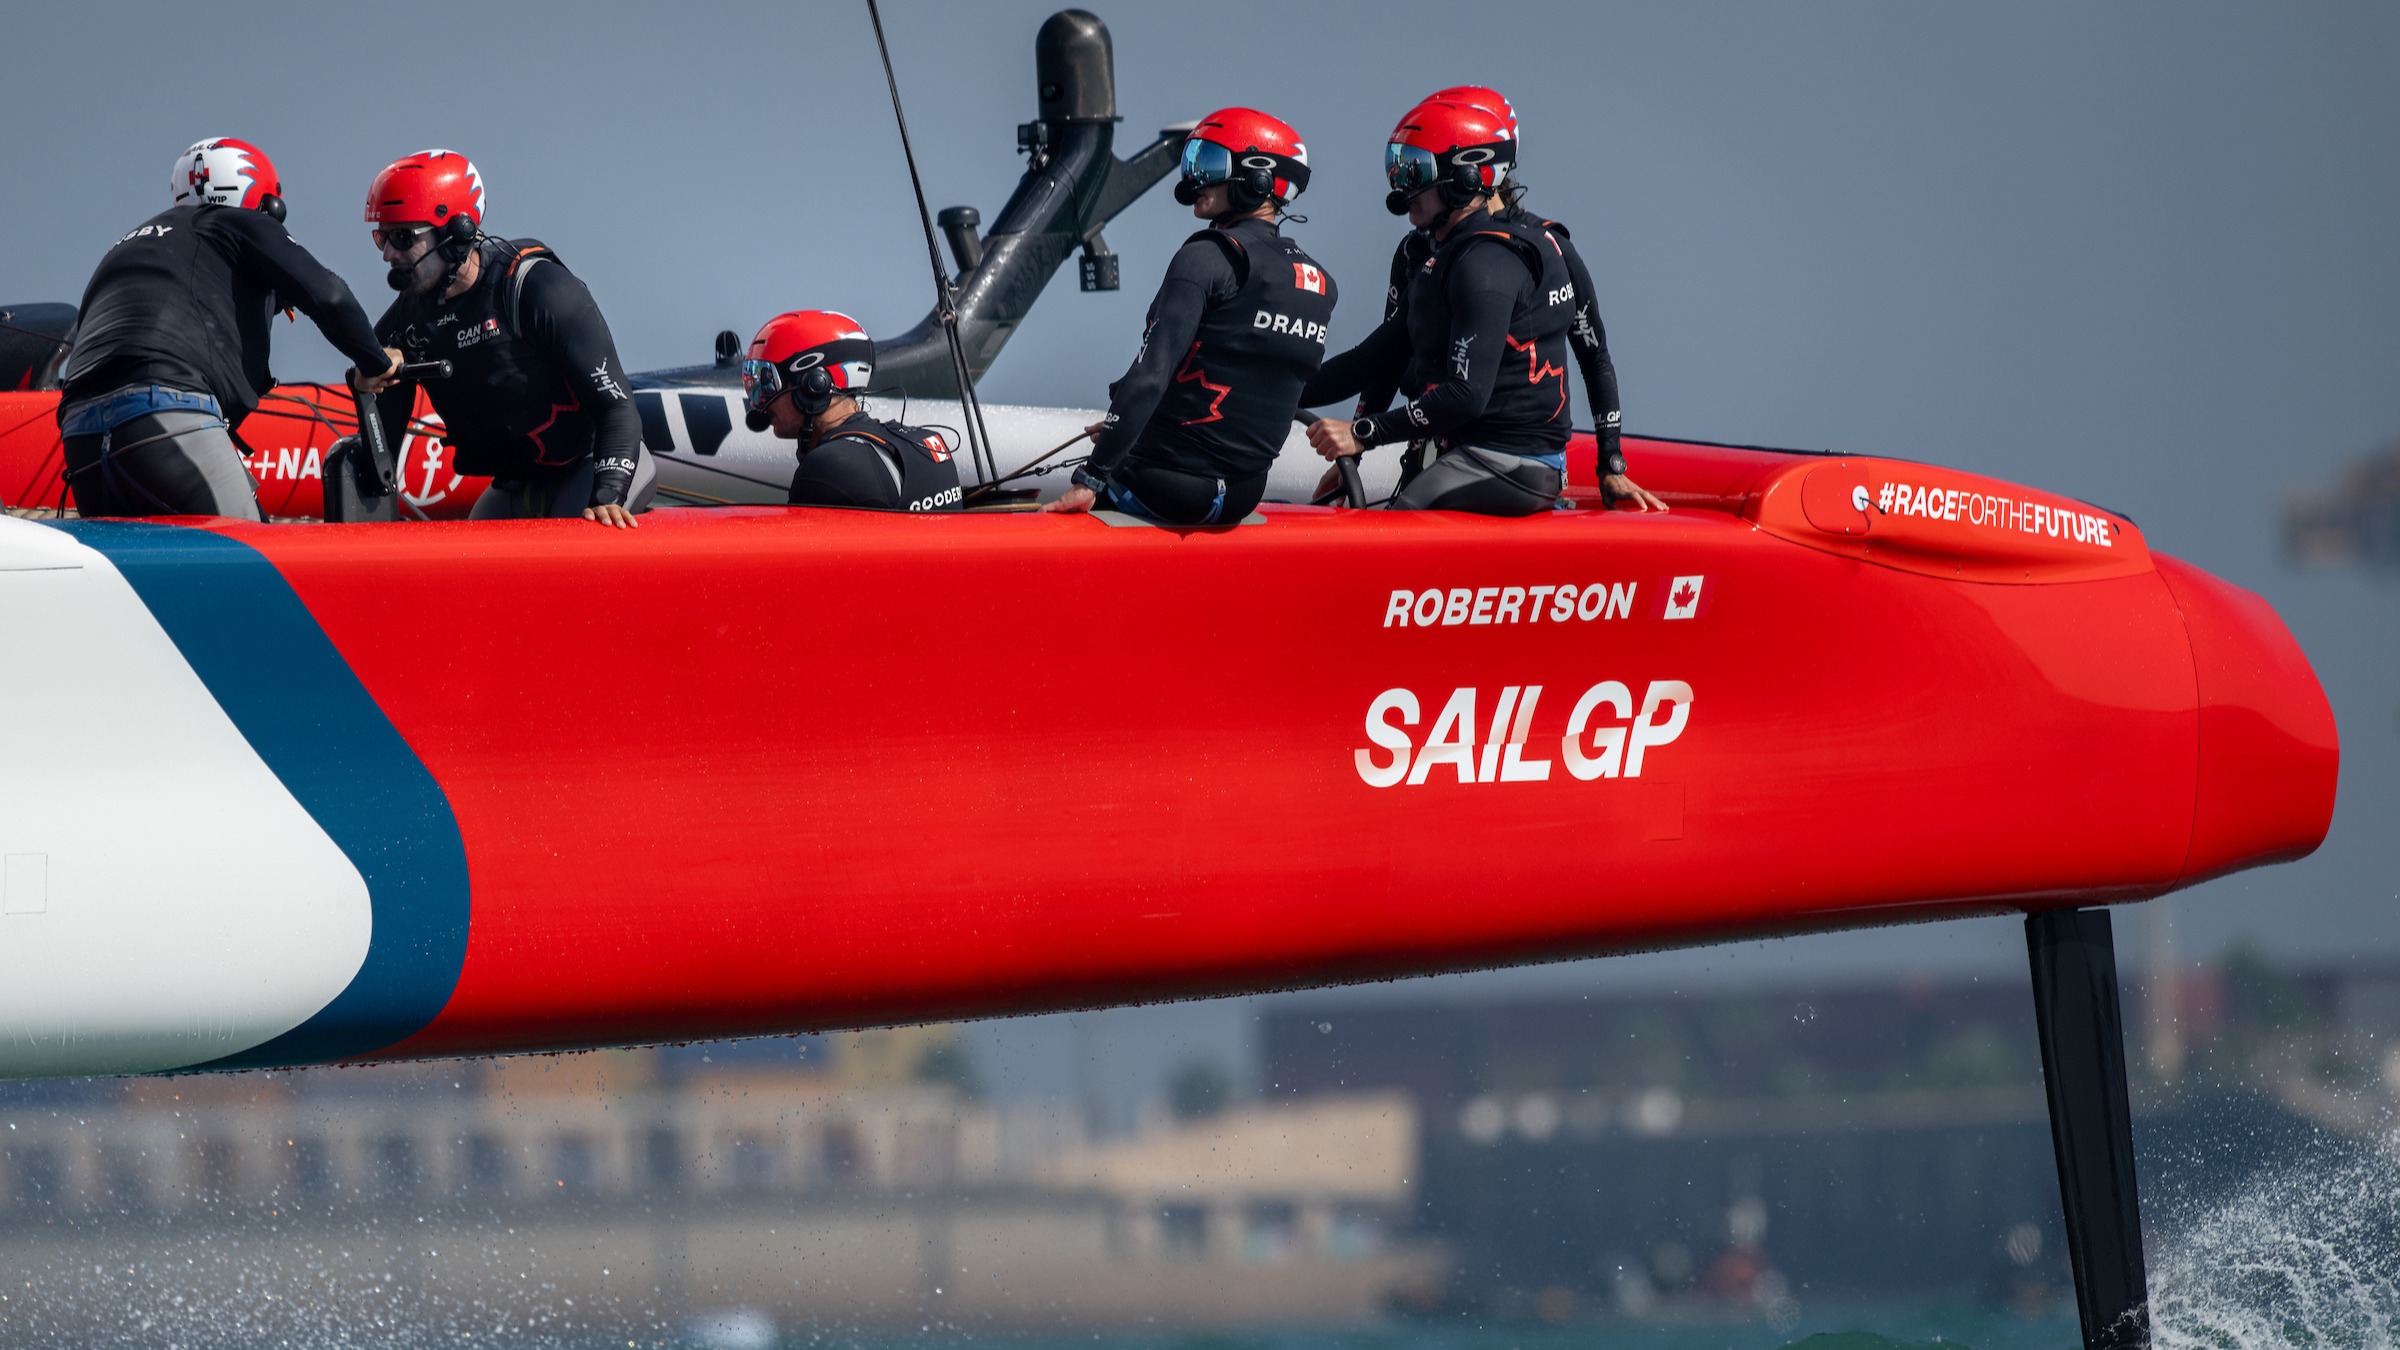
column 813, row 433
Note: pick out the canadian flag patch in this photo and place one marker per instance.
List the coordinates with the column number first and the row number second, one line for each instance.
column 1683, row 597
column 1308, row 278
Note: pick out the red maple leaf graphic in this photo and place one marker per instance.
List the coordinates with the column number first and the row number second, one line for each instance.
column 1192, row 372
column 1685, row 595
column 1538, row 370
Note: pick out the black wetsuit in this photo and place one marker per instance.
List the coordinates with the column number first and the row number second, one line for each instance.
column 1236, row 330
column 1481, row 338
column 182, row 305
column 879, row 465
column 1587, row 337
column 536, row 395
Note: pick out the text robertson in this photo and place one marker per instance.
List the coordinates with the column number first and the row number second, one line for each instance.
column 1508, row 604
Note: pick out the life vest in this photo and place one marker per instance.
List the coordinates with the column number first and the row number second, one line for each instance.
column 918, row 456
column 508, row 410
column 1235, row 390
column 1528, row 405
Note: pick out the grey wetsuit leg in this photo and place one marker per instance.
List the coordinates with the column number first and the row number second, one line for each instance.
column 172, row 463
column 563, row 498
column 1486, row 482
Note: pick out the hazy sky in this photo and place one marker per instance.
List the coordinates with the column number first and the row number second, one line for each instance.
column 2143, row 254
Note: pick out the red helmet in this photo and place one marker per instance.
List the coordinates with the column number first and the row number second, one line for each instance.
column 1260, row 156
column 1482, row 96
column 1462, row 150
column 431, row 187
column 814, row 353
column 225, row 172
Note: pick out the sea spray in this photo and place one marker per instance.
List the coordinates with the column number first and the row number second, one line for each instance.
column 2306, row 1253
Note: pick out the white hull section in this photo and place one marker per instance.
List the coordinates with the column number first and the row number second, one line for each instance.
column 201, row 911
column 754, row 467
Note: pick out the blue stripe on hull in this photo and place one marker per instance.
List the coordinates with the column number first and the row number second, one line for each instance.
column 287, row 689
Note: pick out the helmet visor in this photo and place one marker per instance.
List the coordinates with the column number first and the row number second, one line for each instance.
column 1206, row 162
column 1409, row 167
column 762, row 381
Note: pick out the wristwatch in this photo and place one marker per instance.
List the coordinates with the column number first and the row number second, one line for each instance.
column 1363, row 432
column 1083, row 478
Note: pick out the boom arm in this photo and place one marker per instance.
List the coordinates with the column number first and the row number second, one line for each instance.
column 1073, row 186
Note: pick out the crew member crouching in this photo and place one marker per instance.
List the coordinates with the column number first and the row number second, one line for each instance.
column 536, row 398
column 803, row 377
column 1236, row 330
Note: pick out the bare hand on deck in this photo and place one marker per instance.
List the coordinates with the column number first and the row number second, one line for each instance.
column 1618, row 488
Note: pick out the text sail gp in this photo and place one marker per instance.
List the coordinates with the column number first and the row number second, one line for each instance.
column 1497, row 752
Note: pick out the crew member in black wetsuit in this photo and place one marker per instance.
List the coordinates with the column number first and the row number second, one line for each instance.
column 536, row 398
column 1237, row 328
column 171, row 350
column 803, row 378
column 1479, row 341
column 1587, row 338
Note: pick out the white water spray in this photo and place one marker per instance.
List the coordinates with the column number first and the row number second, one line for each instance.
column 2306, row 1254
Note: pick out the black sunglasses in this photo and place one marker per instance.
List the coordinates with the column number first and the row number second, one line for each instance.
column 402, row 238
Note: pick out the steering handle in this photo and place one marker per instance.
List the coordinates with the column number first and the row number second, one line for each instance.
column 1354, row 488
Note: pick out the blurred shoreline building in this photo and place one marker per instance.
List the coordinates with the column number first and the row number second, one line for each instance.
column 852, row 1187
column 2355, row 523
column 1732, row 1154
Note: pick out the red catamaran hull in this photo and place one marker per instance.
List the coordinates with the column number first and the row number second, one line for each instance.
column 763, row 769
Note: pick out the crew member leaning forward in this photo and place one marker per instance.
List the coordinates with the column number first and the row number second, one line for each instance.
column 536, row 398
column 170, row 349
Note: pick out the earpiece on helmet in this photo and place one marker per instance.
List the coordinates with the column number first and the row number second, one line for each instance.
column 1463, row 185
column 458, row 238
column 812, row 392
column 273, row 206
column 1250, row 189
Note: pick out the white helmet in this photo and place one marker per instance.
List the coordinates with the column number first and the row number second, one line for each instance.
column 222, row 171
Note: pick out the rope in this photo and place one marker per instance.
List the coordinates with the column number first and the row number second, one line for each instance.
column 979, row 441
